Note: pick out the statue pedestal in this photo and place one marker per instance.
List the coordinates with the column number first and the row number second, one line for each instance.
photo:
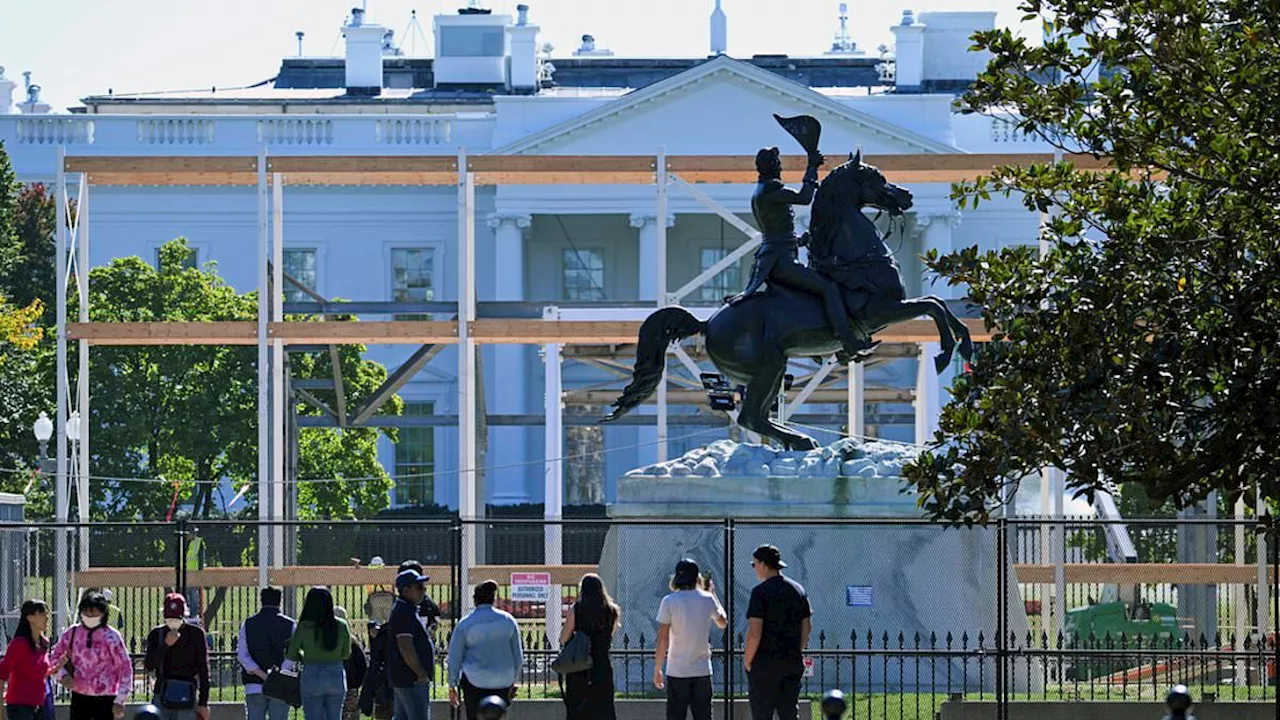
column 886, row 572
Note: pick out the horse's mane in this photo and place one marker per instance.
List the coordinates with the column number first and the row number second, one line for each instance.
column 832, row 195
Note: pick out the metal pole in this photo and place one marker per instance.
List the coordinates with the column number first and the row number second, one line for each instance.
column 1059, row 549
column 857, row 411
column 1263, row 585
column 729, row 593
column 1241, row 606
column 82, row 378
column 61, row 499
column 660, row 267
column 277, row 372
column 554, row 481
column 264, row 380
column 469, row 504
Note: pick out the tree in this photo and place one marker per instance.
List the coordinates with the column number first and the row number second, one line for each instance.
column 1143, row 347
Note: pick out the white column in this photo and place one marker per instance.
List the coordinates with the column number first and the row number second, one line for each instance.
column 277, row 372
column 553, row 468
column 82, row 384
column 649, row 232
column 510, row 372
column 1264, row 588
column 264, row 378
column 931, row 387
column 470, row 505
column 1241, row 604
column 62, row 505
column 857, row 413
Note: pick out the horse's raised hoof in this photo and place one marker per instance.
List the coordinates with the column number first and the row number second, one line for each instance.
column 941, row 361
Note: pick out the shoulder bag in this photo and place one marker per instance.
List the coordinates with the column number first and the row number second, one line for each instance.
column 282, row 685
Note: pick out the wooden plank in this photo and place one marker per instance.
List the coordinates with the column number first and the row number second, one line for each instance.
column 397, row 332
column 164, row 333
column 171, row 178
column 539, row 332
column 298, row 576
column 161, row 164
column 562, row 164
column 501, row 574
column 417, row 179
column 565, row 178
column 364, row 164
column 1143, row 573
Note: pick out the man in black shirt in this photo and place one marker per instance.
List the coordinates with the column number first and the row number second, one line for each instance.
column 778, row 631
column 410, row 661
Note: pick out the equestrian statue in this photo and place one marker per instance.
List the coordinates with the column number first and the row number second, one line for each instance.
column 851, row 289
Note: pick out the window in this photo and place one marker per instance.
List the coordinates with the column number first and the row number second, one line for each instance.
column 416, row 459
column 300, row 264
column 726, row 282
column 584, row 464
column 472, row 42
column 412, row 278
column 191, row 262
column 583, row 274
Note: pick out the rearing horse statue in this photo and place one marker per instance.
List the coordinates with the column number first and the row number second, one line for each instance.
column 749, row 341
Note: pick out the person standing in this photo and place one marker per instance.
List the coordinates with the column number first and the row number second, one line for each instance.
column 356, row 667
column 778, row 626
column 94, row 663
column 485, row 655
column 588, row 695
column 178, row 654
column 410, row 656
column 376, row 699
column 261, row 645
column 25, row 665
column 428, row 610
column 684, row 628
column 322, row 643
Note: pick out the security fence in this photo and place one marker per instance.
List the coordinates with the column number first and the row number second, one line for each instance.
column 907, row 614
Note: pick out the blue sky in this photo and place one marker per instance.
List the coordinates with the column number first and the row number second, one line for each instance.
column 81, row 47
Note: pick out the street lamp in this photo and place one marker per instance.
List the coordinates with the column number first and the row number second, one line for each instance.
column 43, row 430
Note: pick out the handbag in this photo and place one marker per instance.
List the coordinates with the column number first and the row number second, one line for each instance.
column 282, row 685
column 177, row 694
column 575, row 656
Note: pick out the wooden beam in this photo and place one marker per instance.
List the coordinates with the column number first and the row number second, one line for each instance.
column 395, row 332
column 1143, row 573
column 148, row 577
column 164, row 333
column 247, row 164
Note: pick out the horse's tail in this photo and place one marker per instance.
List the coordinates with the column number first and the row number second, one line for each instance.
column 659, row 330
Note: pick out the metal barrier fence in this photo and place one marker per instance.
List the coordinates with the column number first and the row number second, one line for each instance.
column 908, row 614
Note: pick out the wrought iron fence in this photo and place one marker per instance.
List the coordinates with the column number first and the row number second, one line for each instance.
column 1195, row 616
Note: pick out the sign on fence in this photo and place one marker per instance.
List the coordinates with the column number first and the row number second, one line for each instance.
column 857, row 595
column 808, row 667
column 531, row 587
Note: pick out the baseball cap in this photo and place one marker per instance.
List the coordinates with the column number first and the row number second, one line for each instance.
column 175, row 606
column 409, row 577
column 769, row 555
column 686, row 572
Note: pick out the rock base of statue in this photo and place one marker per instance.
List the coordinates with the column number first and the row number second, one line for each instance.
column 879, row 578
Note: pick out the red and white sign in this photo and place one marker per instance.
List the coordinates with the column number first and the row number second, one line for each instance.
column 808, row 667
column 530, row 587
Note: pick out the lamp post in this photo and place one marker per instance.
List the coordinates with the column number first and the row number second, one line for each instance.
column 82, row 489
column 43, row 429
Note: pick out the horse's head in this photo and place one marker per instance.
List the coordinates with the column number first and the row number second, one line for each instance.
column 866, row 185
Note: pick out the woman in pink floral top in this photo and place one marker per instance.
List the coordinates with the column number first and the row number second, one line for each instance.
column 95, row 663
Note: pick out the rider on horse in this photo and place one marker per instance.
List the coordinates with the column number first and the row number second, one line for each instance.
column 777, row 258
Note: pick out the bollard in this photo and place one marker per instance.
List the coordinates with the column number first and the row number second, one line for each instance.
column 1179, row 702
column 834, row 705
column 147, row 712
column 492, row 708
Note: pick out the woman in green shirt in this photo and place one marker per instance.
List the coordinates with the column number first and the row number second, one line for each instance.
column 322, row 644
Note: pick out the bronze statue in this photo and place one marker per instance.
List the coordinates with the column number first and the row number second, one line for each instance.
column 750, row 339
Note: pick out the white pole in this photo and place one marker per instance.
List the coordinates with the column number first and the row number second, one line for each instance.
column 469, row 505
column 660, row 266
column 554, row 481
column 82, row 385
column 61, row 491
column 927, row 394
column 857, row 413
column 1059, row 549
column 277, row 372
column 1264, row 588
column 264, row 379
column 1240, row 610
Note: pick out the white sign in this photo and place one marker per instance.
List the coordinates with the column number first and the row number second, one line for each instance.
column 530, row 587
column 808, row 667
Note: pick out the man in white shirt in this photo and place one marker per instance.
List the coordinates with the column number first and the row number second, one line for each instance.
column 684, row 630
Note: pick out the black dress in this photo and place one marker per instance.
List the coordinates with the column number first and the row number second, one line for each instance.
column 588, row 695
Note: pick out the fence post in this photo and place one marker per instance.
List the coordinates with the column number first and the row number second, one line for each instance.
column 180, row 558
column 455, row 573
column 1002, row 618
column 729, row 613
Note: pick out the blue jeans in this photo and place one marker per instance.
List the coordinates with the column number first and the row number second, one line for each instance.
column 260, row 707
column 413, row 703
column 324, row 687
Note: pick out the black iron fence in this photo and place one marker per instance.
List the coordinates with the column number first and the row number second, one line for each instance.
column 908, row 614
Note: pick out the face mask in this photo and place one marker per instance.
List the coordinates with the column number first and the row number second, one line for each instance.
column 91, row 621
column 173, row 623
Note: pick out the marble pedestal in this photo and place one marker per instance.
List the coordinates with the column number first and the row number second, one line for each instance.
column 885, row 573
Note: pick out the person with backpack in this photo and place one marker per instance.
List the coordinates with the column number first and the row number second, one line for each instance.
column 178, row 654
column 25, row 666
column 261, row 645
column 94, row 663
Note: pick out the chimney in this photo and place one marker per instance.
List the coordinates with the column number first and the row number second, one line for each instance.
column 32, row 106
column 719, row 31
column 364, row 55
column 522, row 39
column 6, row 94
column 909, row 53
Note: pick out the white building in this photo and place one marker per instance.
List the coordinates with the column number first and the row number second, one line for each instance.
column 488, row 89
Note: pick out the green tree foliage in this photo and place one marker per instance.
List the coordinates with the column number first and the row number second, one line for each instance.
column 1145, row 346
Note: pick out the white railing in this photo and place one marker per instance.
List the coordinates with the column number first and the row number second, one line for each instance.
column 1006, row 131
column 53, row 131
column 413, row 131
column 176, row 131
column 296, row 131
